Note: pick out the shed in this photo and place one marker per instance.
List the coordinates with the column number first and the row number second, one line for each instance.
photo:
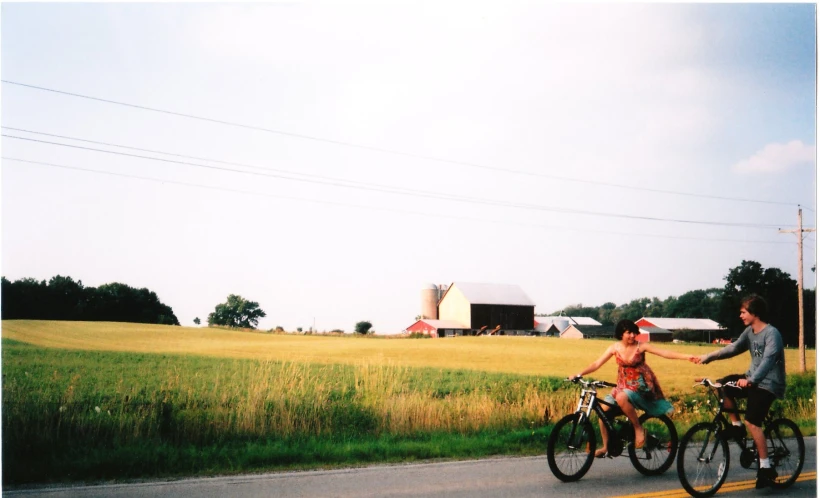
column 654, row 334
column 571, row 332
column 437, row 328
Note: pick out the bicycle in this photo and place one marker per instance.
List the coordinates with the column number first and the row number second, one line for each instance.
column 571, row 444
column 703, row 460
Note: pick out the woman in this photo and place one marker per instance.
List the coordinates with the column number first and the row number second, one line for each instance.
column 637, row 386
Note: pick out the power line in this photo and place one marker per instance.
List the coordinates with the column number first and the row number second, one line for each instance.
column 396, row 152
column 370, row 208
column 415, row 193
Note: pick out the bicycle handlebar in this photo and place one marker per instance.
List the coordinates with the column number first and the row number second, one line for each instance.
column 590, row 383
column 709, row 383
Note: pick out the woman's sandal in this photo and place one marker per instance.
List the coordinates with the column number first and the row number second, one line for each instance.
column 600, row 453
column 639, row 446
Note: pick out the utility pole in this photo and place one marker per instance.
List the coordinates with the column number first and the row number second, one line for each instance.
column 800, row 337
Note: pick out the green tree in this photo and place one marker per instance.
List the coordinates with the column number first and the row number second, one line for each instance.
column 634, row 309
column 772, row 284
column 197, row 321
column 605, row 314
column 363, row 327
column 580, row 310
column 696, row 304
column 237, row 312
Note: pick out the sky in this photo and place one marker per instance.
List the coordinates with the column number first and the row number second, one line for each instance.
column 329, row 161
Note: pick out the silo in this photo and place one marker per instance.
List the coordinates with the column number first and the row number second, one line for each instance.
column 429, row 301
column 561, row 324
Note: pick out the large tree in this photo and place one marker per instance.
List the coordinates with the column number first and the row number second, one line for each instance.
column 363, row 327
column 237, row 312
column 772, row 284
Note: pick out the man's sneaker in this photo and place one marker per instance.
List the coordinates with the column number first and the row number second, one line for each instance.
column 765, row 477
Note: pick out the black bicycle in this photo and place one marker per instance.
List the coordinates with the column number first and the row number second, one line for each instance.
column 571, row 445
column 703, row 462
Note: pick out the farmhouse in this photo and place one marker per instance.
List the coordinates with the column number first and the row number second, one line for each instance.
column 465, row 308
column 662, row 329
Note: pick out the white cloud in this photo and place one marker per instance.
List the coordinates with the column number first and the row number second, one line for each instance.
column 777, row 157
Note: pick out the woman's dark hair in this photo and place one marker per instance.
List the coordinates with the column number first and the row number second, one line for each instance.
column 623, row 326
column 756, row 305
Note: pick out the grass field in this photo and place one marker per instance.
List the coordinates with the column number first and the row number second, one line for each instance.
column 517, row 355
column 115, row 400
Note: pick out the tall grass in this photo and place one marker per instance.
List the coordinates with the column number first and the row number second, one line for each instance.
column 58, row 404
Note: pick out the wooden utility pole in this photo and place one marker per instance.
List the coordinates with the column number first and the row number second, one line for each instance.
column 800, row 337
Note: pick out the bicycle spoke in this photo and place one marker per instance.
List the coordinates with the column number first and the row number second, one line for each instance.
column 704, row 460
column 568, row 454
column 658, row 453
column 786, row 451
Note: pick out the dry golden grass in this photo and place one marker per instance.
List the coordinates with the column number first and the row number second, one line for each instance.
column 518, row 355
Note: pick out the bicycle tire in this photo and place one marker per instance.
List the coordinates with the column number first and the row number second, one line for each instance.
column 658, row 453
column 787, row 451
column 571, row 447
column 703, row 476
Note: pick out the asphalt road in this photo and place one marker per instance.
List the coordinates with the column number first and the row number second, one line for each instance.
column 498, row 477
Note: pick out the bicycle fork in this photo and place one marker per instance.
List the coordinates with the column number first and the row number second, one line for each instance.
column 705, row 455
column 576, row 432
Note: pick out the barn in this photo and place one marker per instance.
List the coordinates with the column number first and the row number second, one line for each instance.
column 662, row 329
column 476, row 309
column 488, row 307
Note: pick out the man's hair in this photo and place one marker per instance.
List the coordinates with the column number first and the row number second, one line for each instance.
column 623, row 326
column 757, row 306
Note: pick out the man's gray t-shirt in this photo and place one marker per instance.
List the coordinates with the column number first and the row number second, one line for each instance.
column 768, row 368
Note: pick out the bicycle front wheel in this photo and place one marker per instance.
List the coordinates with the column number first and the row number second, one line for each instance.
column 787, row 451
column 571, row 447
column 703, row 460
column 658, row 453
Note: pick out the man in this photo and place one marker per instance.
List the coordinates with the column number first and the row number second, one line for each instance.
column 761, row 384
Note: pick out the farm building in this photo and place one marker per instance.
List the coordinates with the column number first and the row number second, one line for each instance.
column 436, row 328
column 567, row 327
column 478, row 308
column 654, row 334
column 662, row 329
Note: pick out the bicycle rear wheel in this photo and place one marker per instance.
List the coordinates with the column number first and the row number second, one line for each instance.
column 658, row 453
column 787, row 451
column 703, row 460
column 571, row 447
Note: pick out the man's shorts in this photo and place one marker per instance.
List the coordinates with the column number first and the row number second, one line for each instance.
column 760, row 400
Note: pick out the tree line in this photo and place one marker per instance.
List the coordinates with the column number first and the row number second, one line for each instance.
column 63, row 298
column 721, row 305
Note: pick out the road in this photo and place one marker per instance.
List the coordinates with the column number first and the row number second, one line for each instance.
column 498, row 477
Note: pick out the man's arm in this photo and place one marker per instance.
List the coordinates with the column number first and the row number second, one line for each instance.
column 733, row 349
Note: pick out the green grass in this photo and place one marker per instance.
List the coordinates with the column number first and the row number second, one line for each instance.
column 71, row 415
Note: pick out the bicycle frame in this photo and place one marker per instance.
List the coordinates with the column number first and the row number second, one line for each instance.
column 720, row 422
column 587, row 403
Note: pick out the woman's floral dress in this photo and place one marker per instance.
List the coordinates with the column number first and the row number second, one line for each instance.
column 639, row 383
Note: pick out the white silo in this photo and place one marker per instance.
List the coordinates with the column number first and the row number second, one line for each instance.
column 429, row 301
column 561, row 324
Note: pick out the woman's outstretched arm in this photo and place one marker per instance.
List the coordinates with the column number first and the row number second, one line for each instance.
column 665, row 353
column 595, row 365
